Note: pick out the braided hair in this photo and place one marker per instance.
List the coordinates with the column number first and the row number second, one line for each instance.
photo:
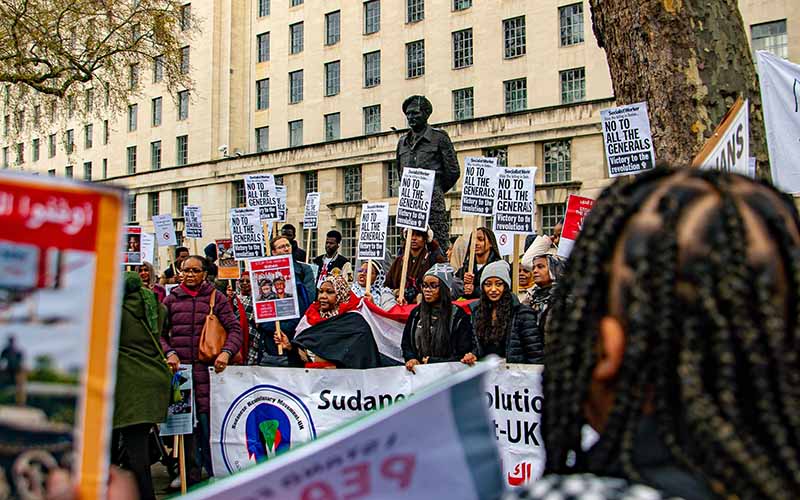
column 702, row 269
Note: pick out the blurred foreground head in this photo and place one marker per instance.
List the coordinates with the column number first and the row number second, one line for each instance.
column 680, row 306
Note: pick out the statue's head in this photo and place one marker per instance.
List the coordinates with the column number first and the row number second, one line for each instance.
column 417, row 109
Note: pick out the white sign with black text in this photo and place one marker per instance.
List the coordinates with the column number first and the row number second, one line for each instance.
column 514, row 206
column 193, row 221
column 311, row 213
column 372, row 236
column 627, row 139
column 414, row 205
column 247, row 236
column 165, row 230
column 261, row 193
column 480, row 186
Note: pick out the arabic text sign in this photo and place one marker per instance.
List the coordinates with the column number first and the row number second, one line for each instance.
column 132, row 254
column 578, row 207
column 246, row 233
column 627, row 139
column 261, row 193
column 274, row 288
column 480, row 185
column 165, row 230
column 311, row 213
column 728, row 149
column 193, row 221
column 374, row 225
column 414, row 205
column 514, row 208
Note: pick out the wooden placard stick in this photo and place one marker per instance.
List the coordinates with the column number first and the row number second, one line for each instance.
column 515, row 265
column 404, row 272
column 309, row 254
column 369, row 278
column 182, row 463
column 268, row 248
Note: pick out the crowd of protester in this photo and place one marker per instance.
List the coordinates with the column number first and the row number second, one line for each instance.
column 672, row 331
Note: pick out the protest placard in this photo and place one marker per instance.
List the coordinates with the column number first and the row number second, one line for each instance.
column 414, row 205
column 180, row 414
column 227, row 265
column 281, row 194
column 311, row 213
column 132, row 254
column 247, row 236
column 260, row 192
column 728, row 148
column 60, row 252
column 274, row 288
column 514, row 208
column 480, row 184
column 578, row 207
column 374, row 226
column 779, row 80
column 193, row 221
column 627, row 139
column 165, row 230
column 149, row 247
column 506, row 243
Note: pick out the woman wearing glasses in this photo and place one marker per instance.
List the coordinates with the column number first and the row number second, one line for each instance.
column 437, row 330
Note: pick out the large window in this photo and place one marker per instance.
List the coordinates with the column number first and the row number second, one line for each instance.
column 332, row 78
column 296, row 38
column 35, row 149
column 133, row 82
column 68, row 171
column 105, row 132
column 262, row 139
column 415, row 10
column 463, row 104
column 372, row 17
column 133, row 111
column 262, row 47
column 186, row 16
column 181, row 197
column 51, row 145
column 295, row 133
column 462, row 48
column 131, row 157
column 311, row 182
column 514, row 37
column 570, row 22
column 462, row 4
column 352, row 183
column 394, row 237
column 415, row 59
column 333, row 29
column 516, row 94
column 772, row 37
column 295, row 86
column 155, row 155
column 184, row 60
column 131, row 207
column 239, row 195
column 332, row 126
column 372, row 69
column 153, row 205
column 348, row 247
column 372, row 119
column 262, row 94
column 87, row 171
column 573, row 85
column 88, row 136
column 70, row 141
column 297, row 2
column 263, row 8
column 392, row 179
column 182, row 150
column 20, row 153
column 158, row 69
column 552, row 214
column 501, row 153
column 183, row 105
column 557, row 161
column 155, row 112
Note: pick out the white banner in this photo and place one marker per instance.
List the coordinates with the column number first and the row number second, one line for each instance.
column 247, row 235
column 311, row 213
column 309, row 403
column 780, row 97
column 728, row 149
column 165, row 230
column 260, row 193
column 192, row 222
column 414, row 205
column 372, row 235
column 514, row 206
column 480, row 185
column 627, row 139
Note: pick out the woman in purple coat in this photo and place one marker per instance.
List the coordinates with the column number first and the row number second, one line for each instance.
column 187, row 308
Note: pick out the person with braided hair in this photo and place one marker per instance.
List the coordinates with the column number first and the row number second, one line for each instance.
column 675, row 335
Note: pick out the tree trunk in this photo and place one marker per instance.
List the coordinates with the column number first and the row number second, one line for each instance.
column 689, row 59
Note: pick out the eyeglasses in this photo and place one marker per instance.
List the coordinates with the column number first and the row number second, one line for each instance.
column 430, row 286
column 192, row 271
column 282, row 247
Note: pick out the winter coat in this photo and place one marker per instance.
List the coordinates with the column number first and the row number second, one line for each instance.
column 460, row 336
column 187, row 315
column 143, row 378
column 524, row 343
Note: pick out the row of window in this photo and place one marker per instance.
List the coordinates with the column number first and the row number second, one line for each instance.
column 181, row 154
column 156, row 110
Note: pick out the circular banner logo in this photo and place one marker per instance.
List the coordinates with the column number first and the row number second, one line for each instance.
column 261, row 423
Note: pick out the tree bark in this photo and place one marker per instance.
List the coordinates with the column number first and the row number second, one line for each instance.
column 690, row 60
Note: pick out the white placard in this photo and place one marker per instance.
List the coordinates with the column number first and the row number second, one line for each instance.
column 274, row 288
column 149, row 247
column 193, row 221
column 506, row 243
column 627, row 139
column 514, row 207
column 414, row 205
column 180, row 414
column 246, row 233
column 311, row 213
column 480, row 185
column 281, row 192
column 731, row 142
column 165, row 230
column 374, row 226
column 261, row 193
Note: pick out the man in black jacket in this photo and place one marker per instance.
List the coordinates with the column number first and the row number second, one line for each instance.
column 331, row 262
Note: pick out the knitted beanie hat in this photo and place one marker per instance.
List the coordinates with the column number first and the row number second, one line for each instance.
column 497, row 269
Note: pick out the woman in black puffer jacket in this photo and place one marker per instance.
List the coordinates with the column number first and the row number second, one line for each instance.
column 502, row 325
